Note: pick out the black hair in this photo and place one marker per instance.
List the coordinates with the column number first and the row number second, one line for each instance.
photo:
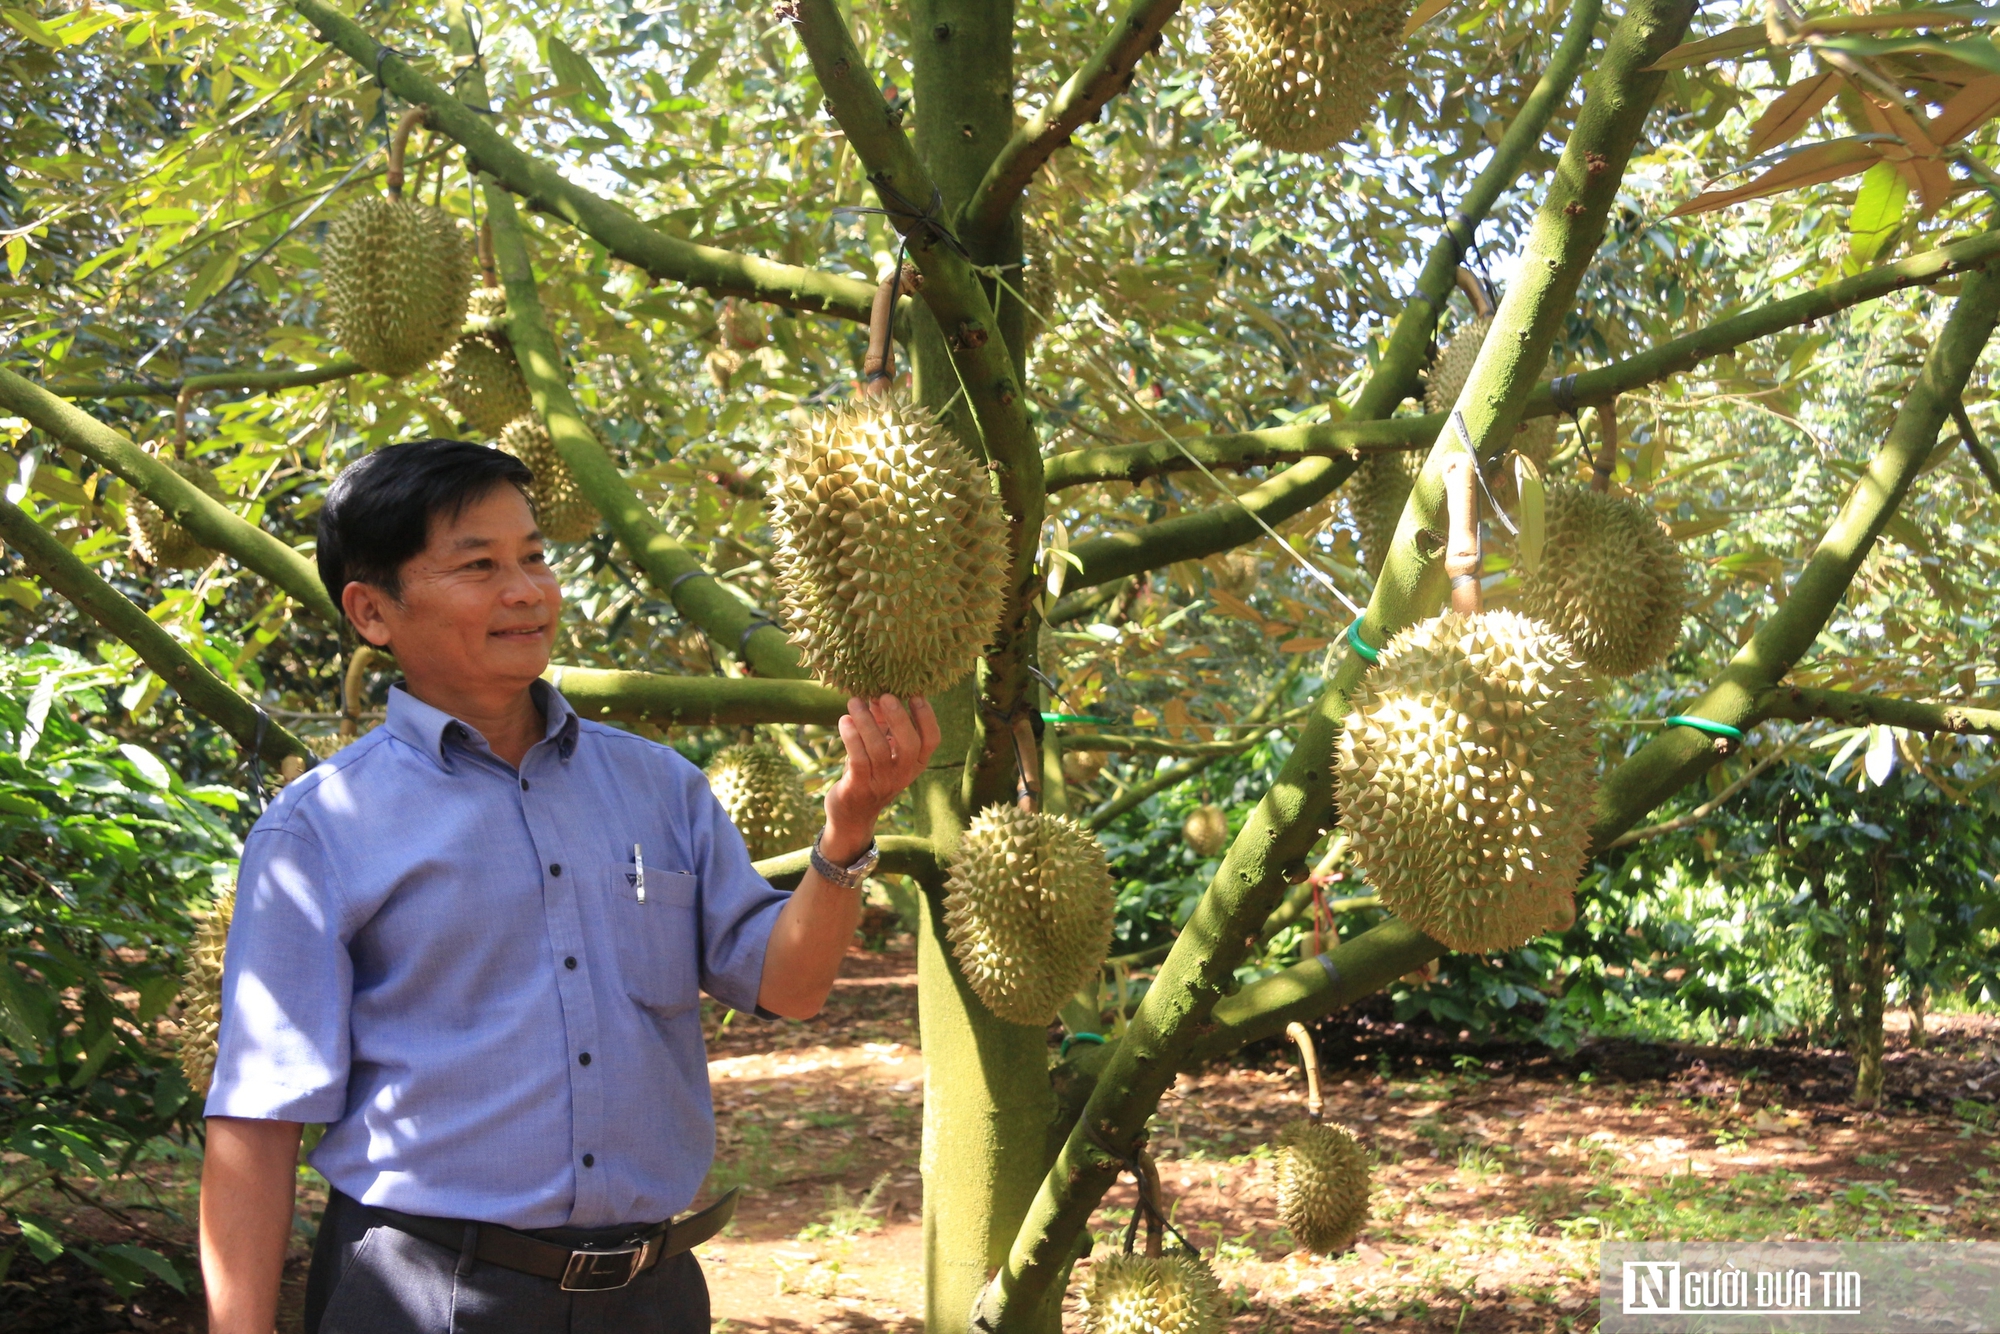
column 378, row 512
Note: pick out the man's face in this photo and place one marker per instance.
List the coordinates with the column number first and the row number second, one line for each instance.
column 479, row 603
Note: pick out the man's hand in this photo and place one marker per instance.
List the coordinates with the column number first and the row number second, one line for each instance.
column 887, row 747
column 247, row 1175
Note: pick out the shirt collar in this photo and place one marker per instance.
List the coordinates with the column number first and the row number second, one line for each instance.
column 433, row 732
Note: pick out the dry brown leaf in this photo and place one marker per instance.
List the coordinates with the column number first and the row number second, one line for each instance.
column 1792, row 112
column 1809, row 166
column 1970, row 108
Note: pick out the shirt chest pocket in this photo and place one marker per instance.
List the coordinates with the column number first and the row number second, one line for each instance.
column 656, row 940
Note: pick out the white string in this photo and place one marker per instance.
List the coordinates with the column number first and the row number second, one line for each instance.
column 1465, row 438
column 1168, row 436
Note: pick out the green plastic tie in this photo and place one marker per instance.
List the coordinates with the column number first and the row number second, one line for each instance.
column 1063, row 1050
column 1704, row 725
column 1360, row 645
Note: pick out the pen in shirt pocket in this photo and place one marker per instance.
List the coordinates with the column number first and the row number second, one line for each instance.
column 639, row 872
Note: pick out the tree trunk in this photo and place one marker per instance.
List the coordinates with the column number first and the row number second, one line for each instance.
column 1919, row 994
column 1867, row 1042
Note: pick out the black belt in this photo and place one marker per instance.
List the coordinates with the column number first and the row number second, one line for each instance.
column 590, row 1269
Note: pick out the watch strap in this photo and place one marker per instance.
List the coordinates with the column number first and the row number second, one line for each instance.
column 847, row 877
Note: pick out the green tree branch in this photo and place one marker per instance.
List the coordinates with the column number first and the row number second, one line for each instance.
column 694, row 701
column 1283, row 444
column 901, row 855
column 1800, row 704
column 1680, row 754
column 202, row 690
column 264, row 382
column 1083, row 96
column 210, row 521
column 619, row 231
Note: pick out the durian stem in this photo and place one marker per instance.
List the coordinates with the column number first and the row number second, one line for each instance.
column 199, row 689
column 878, row 368
column 1149, row 1203
column 1462, row 557
column 399, row 144
column 488, row 268
column 1309, row 1058
column 1606, row 461
column 1475, row 292
column 1027, row 757
column 206, row 519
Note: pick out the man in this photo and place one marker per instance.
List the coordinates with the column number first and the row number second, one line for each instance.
column 472, row 943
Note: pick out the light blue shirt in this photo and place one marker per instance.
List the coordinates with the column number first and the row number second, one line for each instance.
column 449, row 963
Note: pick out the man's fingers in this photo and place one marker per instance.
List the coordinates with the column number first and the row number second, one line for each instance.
column 909, row 745
column 867, row 741
column 927, row 726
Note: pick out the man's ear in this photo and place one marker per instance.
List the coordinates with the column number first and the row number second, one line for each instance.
column 366, row 606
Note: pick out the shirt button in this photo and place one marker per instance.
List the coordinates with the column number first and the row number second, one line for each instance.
column 524, row 785
column 555, row 868
column 583, row 1059
column 570, row 962
column 590, row 1160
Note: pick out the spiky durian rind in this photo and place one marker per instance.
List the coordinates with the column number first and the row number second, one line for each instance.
column 201, row 994
column 1610, row 580
column 160, row 541
column 889, row 541
column 1028, row 910
column 1322, row 1186
column 481, row 380
column 1465, row 776
column 1376, row 495
column 398, row 275
column 561, row 510
column 764, row 797
column 1137, row 1294
column 1303, row 75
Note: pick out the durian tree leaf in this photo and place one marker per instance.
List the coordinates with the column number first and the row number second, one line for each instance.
column 1878, row 212
column 1794, row 109
column 1971, row 107
column 1755, row 37
column 1811, row 164
column 573, row 70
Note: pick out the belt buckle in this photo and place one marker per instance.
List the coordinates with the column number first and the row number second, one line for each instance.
column 604, row 1271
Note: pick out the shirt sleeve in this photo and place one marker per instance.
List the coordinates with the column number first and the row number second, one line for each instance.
column 283, row 1048
column 739, row 908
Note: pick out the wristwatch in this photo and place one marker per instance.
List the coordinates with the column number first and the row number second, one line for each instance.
column 848, row 877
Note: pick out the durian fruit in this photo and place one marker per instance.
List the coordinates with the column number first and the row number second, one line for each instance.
column 1028, row 910
column 481, row 380
column 1322, row 1171
column 1454, row 363
column 1302, row 75
column 765, row 798
column 201, row 994
column 889, row 544
column 722, row 364
column 1465, row 776
column 1611, row 580
column 559, row 504
column 398, row 274
column 158, row 540
column 1376, row 495
column 1082, row 767
column 486, row 309
column 1206, row 830
column 1141, row 1294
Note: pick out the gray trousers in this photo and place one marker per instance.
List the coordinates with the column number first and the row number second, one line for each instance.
column 369, row 1278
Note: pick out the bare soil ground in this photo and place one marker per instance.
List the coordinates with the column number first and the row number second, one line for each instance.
column 1499, row 1168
